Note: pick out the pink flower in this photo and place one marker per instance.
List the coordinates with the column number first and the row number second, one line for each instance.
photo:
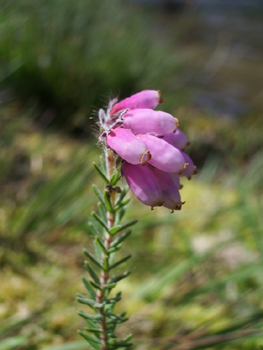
column 191, row 168
column 143, row 184
column 164, row 156
column 151, row 146
column 177, row 139
column 141, row 121
column 128, row 146
column 170, row 192
column 144, row 99
column 176, row 180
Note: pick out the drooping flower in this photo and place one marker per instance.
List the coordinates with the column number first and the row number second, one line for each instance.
column 177, row 139
column 170, row 192
column 141, row 121
column 143, row 184
column 176, row 180
column 128, row 146
column 150, row 145
column 191, row 168
column 164, row 156
column 144, row 99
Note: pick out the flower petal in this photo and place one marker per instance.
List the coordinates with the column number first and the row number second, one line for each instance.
column 144, row 120
column 128, row 146
column 177, row 139
column 163, row 155
column 176, row 180
column 143, row 99
column 170, row 193
column 191, row 168
column 143, row 184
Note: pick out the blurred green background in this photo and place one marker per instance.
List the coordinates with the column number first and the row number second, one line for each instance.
column 197, row 274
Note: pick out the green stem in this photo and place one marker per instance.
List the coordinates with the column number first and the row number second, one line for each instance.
column 110, row 164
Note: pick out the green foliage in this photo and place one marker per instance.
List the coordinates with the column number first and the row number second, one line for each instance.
column 120, row 228
column 115, row 177
column 117, row 263
column 98, row 194
column 120, row 239
column 107, row 202
column 99, row 289
column 101, row 174
column 95, row 343
column 92, row 258
column 89, row 288
column 92, row 272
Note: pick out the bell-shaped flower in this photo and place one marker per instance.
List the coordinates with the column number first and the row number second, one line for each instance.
column 163, row 155
column 170, row 193
column 177, row 139
column 191, row 168
column 141, row 121
column 128, row 146
column 144, row 99
column 143, row 184
column 176, row 180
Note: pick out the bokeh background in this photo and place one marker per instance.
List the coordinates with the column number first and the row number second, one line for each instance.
column 197, row 274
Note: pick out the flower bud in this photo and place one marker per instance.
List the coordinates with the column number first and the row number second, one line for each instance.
column 163, row 155
column 128, row 146
column 177, row 139
column 143, row 184
column 143, row 99
column 191, row 168
column 170, row 193
column 142, row 121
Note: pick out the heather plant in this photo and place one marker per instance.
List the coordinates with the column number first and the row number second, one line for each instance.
column 176, row 281
column 146, row 148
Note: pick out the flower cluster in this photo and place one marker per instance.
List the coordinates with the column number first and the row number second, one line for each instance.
column 151, row 146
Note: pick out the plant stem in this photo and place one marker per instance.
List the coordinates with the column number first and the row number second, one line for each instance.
column 104, row 277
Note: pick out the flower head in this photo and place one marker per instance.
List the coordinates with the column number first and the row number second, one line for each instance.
column 151, row 145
